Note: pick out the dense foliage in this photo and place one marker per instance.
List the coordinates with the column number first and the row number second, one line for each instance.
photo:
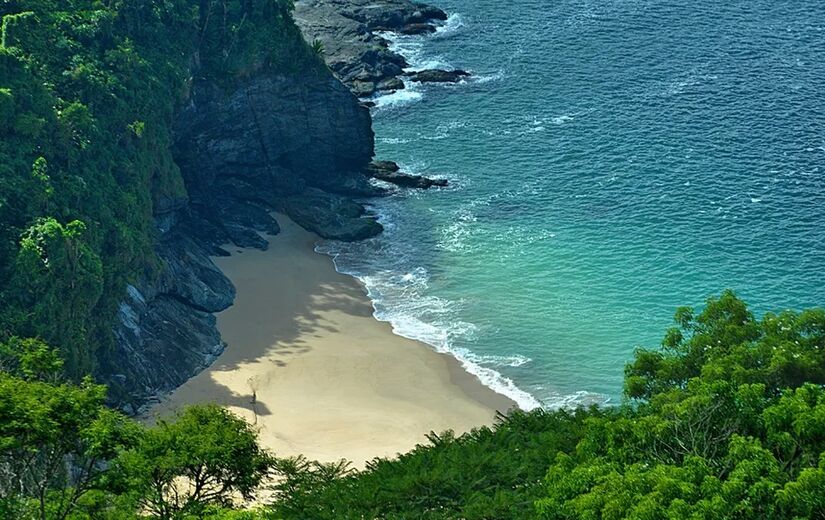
column 65, row 455
column 88, row 92
column 726, row 420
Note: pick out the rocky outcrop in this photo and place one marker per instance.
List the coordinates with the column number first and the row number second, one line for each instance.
column 350, row 31
column 388, row 171
column 329, row 215
column 438, row 76
column 297, row 144
column 166, row 331
column 271, row 138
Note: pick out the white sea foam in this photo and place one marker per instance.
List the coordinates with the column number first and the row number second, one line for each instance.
column 400, row 295
column 412, row 48
column 488, row 78
column 514, row 361
column 574, row 400
column 452, row 25
column 392, row 140
column 402, row 298
column 398, row 98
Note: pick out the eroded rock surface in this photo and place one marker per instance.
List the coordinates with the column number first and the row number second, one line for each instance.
column 350, row 33
column 438, row 76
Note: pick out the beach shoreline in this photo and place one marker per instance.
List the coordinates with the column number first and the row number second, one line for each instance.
column 309, row 365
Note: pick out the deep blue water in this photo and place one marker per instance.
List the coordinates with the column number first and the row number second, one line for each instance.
column 610, row 161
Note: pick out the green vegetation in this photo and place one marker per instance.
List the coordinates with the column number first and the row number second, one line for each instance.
column 726, row 420
column 64, row 455
column 214, row 452
column 88, row 92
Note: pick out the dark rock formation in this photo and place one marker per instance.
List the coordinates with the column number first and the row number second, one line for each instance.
column 390, row 84
column 329, row 215
column 275, row 134
column 299, row 144
column 349, row 30
column 389, row 171
column 166, row 331
column 270, row 142
column 438, row 76
column 417, row 28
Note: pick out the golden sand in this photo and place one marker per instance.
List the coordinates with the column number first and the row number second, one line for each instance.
column 309, row 365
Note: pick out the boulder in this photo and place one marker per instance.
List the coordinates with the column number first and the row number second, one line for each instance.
column 330, row 216
column 390, row 84
column 388, row 171
column 438, row 76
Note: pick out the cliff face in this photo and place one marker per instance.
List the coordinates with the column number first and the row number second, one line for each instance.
column 298, row 144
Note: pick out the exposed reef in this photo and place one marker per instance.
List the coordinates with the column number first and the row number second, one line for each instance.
column 438, row 76
column 388, row 171
column 350, row 32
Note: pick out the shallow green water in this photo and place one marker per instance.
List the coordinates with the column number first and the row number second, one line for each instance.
column 609, row 162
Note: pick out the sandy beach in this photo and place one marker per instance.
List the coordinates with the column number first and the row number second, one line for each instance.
column 329, row 380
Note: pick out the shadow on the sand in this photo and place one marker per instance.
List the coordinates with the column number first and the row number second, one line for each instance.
column 276, row 338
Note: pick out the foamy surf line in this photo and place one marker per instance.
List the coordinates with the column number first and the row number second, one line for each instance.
column 415, row 329
column 407, row 325
column 412, row 49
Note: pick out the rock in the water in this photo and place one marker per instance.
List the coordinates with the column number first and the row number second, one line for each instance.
column 388, row 171
column 438, row 76
column 350, row 31
column 417, row 28
column 330, row 216
column 383, row 166
column 390, row 84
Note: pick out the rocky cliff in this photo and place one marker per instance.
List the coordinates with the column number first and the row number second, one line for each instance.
column 300, row 143
column 297, row 143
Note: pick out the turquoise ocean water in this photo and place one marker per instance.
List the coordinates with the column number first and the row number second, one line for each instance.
column 609, row 161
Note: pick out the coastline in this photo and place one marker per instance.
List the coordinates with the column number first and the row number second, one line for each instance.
column 329, row 380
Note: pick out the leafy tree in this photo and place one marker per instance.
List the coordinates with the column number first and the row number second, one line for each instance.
column 54, row 441
column 201, row 460
column 726, row 424
column 30, row 359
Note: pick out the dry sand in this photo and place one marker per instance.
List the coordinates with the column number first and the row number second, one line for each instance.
column 330, row 381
